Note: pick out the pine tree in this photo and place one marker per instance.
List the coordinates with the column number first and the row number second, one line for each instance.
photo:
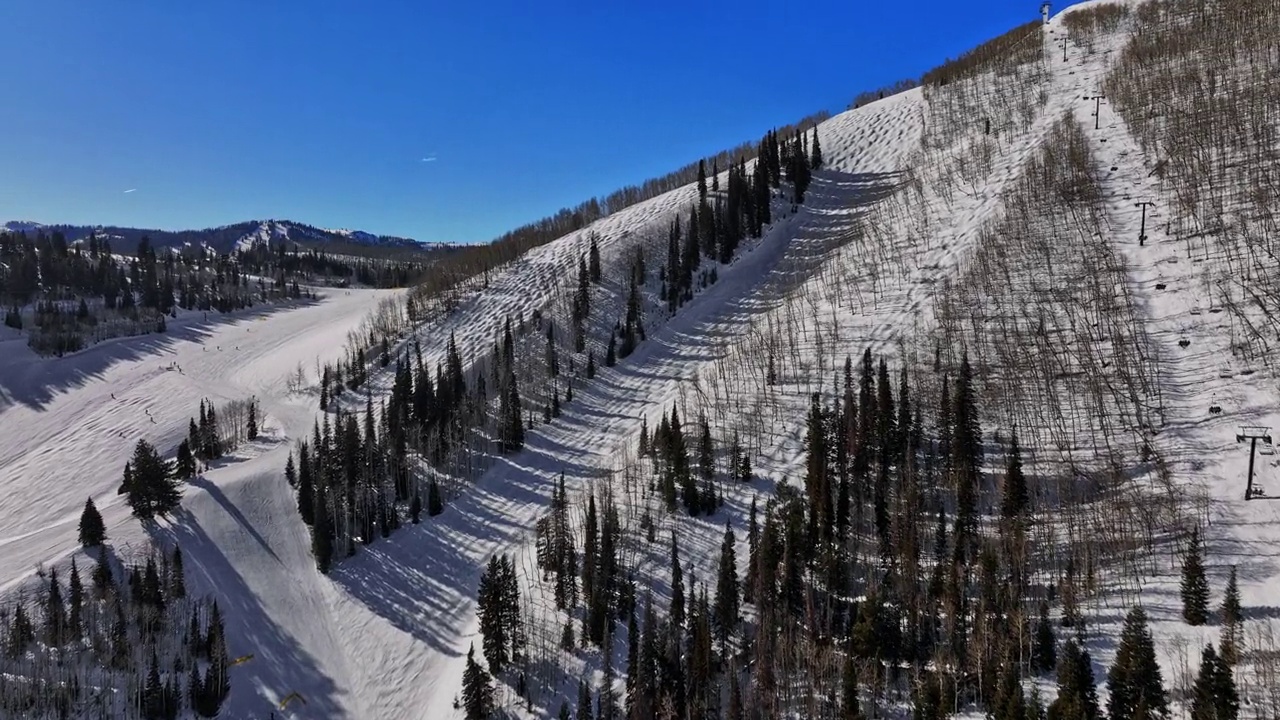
column 1016, row 500
column 322, row 534
column 217, row 684
column 1214, row 696
column 594, row 263
column 21, row 632
column 815, row 155
column 92, row 531
column 149, row 485
column 1044, row 657
column 677, row 586
column 1231, row 618
column 185, row 465
column 103, row 581
column 55, row 613
column 415, row 508
column 727, row 603
column 1077, row 698
column 252, row 429
column 1195, row 588
column 435, row 504
column 477, row 692
column 492, row 627
column 75, row 597
column 1134, row 680
column 611, row 353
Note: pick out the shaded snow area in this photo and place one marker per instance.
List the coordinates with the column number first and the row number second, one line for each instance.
column 987, row 216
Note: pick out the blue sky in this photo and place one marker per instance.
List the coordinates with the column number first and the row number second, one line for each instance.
column 439, row 121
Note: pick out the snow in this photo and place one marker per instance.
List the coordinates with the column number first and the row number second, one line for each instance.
column 863, row 263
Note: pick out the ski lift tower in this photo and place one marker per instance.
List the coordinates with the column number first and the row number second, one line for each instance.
column 1044, row 11
column 1252, row 433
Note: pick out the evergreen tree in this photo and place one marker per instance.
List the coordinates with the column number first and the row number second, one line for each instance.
column 21, row 632
column 252, row 429
column 1134, row 680
column 322, row 534
column 185, row 465
column 415, row 508
column 1077, row 698
column 1214, row 696
column 75, row 597
column 1195, row 588
column 103, row 581
column 149, row 485
column 594, row 255
column 815, row 155
column 584, row 701
column 1231, row 619
column 92, row 530
column 306, row 487
column 477, row 692
column 1016, row 500
column 553, row 359
column 727, row 604
column 217, row 683
column 435, row 504
column 55, row 613
column 677, row 587
column 1044, row 656
column 611, row 353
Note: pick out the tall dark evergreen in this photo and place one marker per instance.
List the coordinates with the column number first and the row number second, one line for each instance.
column 1016, row 500
column 967, row 454
column 185, row 463
column 1214, row 696
column 92, row 530
column 1077, row 697
column 500, row 621
column 1231, row 619
column 251, row 429
column 1134, row 681
column 1044, row 655
column 55, row 613
column 477, row 691
column 727, row 597
column 594, row 262
column 1195, row 587
column 322, row 534
column 149, row 486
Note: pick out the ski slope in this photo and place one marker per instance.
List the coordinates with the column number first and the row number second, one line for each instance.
column 862, row 263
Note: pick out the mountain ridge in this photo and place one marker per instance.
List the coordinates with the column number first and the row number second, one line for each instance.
column 227, row 238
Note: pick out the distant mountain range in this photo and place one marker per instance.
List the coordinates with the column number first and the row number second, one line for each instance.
column 228, row 238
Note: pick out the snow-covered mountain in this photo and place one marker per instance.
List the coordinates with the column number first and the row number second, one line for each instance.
column 990, row 216
column 228, row 237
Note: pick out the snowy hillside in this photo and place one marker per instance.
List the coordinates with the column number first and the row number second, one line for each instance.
column 986, row 237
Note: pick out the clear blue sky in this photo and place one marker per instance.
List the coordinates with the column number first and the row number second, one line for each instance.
column 323, row 111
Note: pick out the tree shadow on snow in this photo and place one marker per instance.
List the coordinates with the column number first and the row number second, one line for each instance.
column 279, row 666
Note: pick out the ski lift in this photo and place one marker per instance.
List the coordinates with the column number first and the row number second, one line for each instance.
column 1214, row 407
column 1161, row 286
column 1224, row 371
column 1195, row 310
